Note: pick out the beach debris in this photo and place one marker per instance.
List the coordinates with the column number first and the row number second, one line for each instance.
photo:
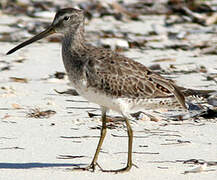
column 164, row 60
column 200, row 18
column 69, row 156
column 146, row 116
column 121, row 9
column 20, row 60
column 109, row 118
column 193, row 29
column 7, row 91
column 78, row 137
column 56, row 77
column 114, row 43
column 155, row 67
column 209, row 50
column 212, row 100
column 4, row 66
column 72, row 92
column 5, row 37
column 16, row 106
column 198, row 169
column 209, row 114
column 37, row 113
column 16, row 147
column 135, row 152
column 44, row 14
column 212, row 77
column 198, row 161
column 6, row 116
column 176, row 142
column 60, row 75
column 90, row 114
column 137, row 42
column 124, row 136
column 193, row 16
column 138, row 116
column 19, row 80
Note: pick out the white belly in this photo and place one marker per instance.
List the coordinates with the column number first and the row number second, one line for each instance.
column 99, row 98
column 122, row 105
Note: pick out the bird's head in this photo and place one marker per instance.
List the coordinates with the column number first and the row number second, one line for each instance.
column 66, row 20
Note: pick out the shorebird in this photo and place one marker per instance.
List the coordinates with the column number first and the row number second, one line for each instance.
column 107, row 78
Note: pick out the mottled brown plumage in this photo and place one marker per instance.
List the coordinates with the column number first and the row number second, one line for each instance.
column 109, row 79
column 121, row 77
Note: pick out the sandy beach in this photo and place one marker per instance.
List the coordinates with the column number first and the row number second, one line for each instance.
column 47, row 146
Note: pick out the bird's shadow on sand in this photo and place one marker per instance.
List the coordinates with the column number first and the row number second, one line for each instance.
column 36, row 165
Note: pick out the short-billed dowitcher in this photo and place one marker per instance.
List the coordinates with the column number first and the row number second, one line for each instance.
column 107, row 78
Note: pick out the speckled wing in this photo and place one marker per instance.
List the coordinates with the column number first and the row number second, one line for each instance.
column 119, row 76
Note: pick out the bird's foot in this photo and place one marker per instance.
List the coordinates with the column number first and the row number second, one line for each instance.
column 90, row 168
column 122, row 170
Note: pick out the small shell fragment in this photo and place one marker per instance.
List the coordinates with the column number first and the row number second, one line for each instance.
column 197, row 169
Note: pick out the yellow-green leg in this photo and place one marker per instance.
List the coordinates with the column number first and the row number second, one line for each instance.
column 103, row 134
column 93, row 164
column 130, row 143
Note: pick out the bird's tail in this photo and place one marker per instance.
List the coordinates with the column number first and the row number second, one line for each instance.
column 197, row 93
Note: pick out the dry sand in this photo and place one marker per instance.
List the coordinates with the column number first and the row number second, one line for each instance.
column 34, row 148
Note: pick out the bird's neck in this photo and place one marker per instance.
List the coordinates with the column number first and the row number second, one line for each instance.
column 73, row 52
column 74, row 40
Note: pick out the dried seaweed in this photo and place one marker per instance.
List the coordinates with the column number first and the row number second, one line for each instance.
column 6, row 148
column 60, row 75
column 20, row 80
column 37, row 113
column 72, row 92
column 198, row 161
column 210, row 114
column 69, row 157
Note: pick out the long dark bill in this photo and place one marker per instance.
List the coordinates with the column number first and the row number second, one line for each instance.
column 45, row 33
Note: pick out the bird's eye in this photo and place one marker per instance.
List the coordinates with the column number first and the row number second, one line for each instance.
column 66, row 18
